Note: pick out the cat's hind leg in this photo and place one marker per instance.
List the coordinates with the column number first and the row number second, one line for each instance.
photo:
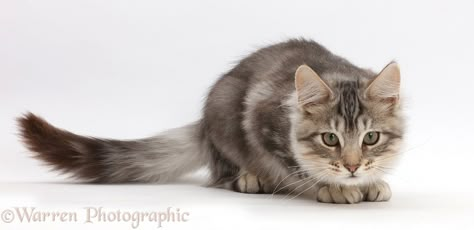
column 249, row 183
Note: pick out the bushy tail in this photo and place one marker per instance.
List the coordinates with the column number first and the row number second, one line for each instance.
column 157, row 159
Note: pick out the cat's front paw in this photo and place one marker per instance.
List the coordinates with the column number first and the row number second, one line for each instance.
column 378, row 191
column 339, row 194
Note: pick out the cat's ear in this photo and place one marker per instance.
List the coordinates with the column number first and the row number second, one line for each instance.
column 310, row 88
column 386, row 86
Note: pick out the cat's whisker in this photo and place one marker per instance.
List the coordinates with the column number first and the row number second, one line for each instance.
column 384, row 171
column 294, row 166
column 322, row 174
column 288, row 185
column 276, row 190
column 296, row 172
column 388, row 156
column 385, row 167
column 296, row 188
column 314, row 184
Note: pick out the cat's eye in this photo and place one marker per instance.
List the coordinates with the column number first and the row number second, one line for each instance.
column 371, row 138
column 330, row 139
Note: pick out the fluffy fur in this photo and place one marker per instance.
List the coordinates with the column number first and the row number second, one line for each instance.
column 261, row 131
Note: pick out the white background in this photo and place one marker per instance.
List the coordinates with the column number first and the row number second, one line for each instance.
column 129, row 69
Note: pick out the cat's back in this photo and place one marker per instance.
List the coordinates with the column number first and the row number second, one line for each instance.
column 282, row 60
column 273, row 66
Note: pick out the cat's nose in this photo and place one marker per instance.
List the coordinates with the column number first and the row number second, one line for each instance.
column 352, row 168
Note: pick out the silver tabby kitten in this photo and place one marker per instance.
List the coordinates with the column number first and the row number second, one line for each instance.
column 290, row 118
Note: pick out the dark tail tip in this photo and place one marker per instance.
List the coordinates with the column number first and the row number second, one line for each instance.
column 35, row 131
column 39, row 136
column 64, row 151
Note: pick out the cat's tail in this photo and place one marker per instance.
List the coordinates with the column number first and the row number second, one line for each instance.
column 157, row 159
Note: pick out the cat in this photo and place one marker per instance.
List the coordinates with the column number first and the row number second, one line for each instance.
column 291, row 118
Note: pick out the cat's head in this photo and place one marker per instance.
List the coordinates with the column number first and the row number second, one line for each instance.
column 348, row 129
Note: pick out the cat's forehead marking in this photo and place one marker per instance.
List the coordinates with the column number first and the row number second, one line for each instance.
column 349, row 105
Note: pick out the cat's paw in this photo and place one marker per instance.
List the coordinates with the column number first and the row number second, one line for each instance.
column 379, row 191
column 339, row 194
column 249, row 183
